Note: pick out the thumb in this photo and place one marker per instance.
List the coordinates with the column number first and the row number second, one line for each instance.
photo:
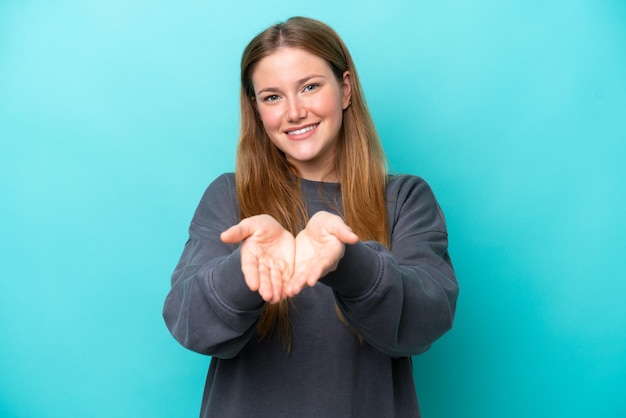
column 236, row 233
column 344, row 233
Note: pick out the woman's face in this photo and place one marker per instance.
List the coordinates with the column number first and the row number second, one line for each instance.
column 301, row 104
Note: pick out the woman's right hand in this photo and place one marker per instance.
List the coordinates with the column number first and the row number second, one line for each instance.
column 267, row 255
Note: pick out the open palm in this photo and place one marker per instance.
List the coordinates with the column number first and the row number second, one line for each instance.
column 276, row 264
column 319, row 248
column 267, row 255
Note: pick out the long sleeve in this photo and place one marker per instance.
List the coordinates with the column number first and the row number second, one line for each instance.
column 399, row 300
column 403, row 299
column 209, row 308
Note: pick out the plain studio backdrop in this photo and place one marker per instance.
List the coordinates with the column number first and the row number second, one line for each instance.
column 115, row 115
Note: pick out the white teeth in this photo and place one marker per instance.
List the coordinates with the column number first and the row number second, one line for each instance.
column 303, row 130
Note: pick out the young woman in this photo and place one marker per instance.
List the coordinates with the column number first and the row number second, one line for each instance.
column 311, row 275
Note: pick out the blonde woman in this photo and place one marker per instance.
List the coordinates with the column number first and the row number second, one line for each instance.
column 311, row 275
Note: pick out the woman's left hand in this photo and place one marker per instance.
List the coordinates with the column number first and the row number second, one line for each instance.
column 319, row 248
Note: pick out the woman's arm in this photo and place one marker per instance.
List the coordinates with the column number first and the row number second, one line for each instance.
column 209, row 308
column 400, row 300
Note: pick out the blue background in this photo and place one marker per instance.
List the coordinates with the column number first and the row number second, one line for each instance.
column 115, row 115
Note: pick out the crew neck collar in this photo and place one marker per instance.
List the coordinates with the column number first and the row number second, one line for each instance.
column 330, row 183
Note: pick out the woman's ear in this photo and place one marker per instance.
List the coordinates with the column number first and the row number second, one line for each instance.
column 346, row 90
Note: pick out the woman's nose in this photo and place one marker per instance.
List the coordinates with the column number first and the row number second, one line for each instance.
column 295, row 111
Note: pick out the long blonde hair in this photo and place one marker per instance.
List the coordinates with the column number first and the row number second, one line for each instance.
column 268, row 183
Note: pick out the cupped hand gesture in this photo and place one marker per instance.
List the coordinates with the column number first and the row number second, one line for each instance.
column 276, row 264
column 319, row 248
column 267, row 255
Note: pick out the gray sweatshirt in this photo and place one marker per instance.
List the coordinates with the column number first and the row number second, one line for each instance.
column 399, row 300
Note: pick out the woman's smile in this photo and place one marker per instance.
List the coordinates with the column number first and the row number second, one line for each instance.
column 299, row 133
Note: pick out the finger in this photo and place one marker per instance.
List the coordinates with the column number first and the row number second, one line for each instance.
column 232, row 235
column 295, row 285
column 344, row 233
column 237, row 233
column 349, row 237
column 304, row 277
column 265, row 284
column 284, row 276
column 277, row 285
column 313, row 276
column 250, row 269
column 287, row 285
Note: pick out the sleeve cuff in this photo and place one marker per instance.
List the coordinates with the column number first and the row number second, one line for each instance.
column 357, row 272
column 230, row 285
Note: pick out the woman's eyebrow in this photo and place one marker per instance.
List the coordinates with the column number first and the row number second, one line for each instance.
column 298, row 82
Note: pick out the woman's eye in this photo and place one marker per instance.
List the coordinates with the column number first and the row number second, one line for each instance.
column 270, row 98
column 311, row 87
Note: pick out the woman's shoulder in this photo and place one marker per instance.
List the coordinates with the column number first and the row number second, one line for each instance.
column 411, row 190
column 396, row 183
column 226, row 179
column 220, row 196
column 224, row 183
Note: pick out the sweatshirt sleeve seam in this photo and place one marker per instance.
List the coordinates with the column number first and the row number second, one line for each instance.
column 200, row 225
column 440, row 231
column 222, row 303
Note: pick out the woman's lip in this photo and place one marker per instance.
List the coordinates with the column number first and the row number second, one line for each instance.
column 302, row 130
